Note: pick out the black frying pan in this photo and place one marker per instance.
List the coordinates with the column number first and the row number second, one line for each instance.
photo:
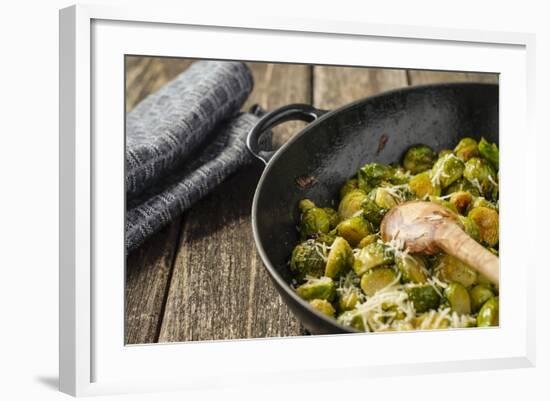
column 316, row 162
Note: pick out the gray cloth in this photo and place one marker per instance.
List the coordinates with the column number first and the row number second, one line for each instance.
column 167, row 126
column 215, row 161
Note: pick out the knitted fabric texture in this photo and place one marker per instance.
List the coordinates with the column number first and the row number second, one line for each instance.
column 214, row 162
column 170, row 124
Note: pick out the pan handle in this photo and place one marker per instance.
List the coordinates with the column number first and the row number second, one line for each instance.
column 302, row 112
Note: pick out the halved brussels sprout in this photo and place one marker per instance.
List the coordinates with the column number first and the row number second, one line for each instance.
column 349, row 186
column 317, row 288
column 487, row 222
column 373, row 255
column 446, row 170
column 458, row 298
column 369, row 239
column 489, row 151
column 314, row 221
column 351, row 204
column 466, row 149
column 308, row 260
column 376, row 279
column 339, row 259
column 423, row 298
column 354, row 229
column 421, row 185
column 479, row 295
column 419, row 158
column 323, row 306
column 489, row 313
column 412, row 268
column 481, row 174
column 461, row 200
column 470, row 227
column 450, row 269
column 384, row 198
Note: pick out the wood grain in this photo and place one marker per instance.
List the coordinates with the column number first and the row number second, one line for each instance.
column 420, row 77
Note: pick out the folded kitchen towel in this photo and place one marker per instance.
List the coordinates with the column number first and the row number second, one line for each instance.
column 214, row 162
column 167, row 126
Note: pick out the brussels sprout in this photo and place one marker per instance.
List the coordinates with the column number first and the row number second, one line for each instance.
column 445, row 203
column 349, row 186
column 458, row 298
column 377, row 279
column 479, row 295
column 369, row 239
column 488, row 314
column 339, row 259
column 384, row 198
column 446, row 170
column 372, row 174
column 461, row 200
column 462, row 185
column 421, row 185
column 317, row 288
column 450, row 269
column 400, row 176
column 444, row 152
column 354, row 229
column 333, row 216
column 323, row 238
column 487, row 222
column 489, row 151
column 470, row 227
column 305, row 205
column 314, row 220
column 412, row 269
column 480, row 201
column 307, row 260
column 423, row 298
column 323, row 306
column 482, row 175
column 419, row 158
column 349, row 298
column 432, row 320
column 466, row 149
column 351, row 203
column 353, row 318
column 372, row 212
column 373, row 255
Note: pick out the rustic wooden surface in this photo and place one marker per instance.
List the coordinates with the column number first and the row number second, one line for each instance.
column 201, row 278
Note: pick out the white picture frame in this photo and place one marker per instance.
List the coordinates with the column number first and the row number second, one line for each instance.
column 93, row 41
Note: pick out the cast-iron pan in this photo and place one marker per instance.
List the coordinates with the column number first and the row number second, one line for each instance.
column 318, row 160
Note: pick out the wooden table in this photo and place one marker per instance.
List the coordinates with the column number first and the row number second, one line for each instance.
column 201, row 278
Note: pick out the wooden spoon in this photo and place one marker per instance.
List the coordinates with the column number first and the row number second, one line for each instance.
column 426, row 227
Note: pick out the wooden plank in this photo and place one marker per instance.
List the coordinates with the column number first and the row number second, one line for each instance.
column 334, row 87
column 420, row 77
column 219, row 288
column 148, row 272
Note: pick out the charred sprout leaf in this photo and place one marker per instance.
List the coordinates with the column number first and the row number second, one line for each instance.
column 422, row 186
column 423, row 298
column 323, row 306
column 307, row 260
column 376, row 279
column 419, row 158
column 373, row 255
column 489, row 151
column 459, row 298
column 319, row 288
column 339, row 259
column 489, row 313
column 487, row 222
column 479, row 295
column 351, row 203
column 354, row 229
column 466, row 149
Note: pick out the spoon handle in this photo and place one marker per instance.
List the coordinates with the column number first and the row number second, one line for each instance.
column 454, row 241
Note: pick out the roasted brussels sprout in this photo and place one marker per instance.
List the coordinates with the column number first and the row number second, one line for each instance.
column 480, row 201
column 376, row 279
column 373, row 174
column 423, row 298
column 446, row 170
column 419, row 158
column 489, row 313
column 372, row 212
column 450, row 269
column 314, row 221
column 348, row 299
column 487, row 222
column 354, row 229
column 369, row 239
column 323, row 306
column 479, row 295
column 353, row 318
column 466, row 149
column 412, row 268
column 373, row 255
column 444, row 202
column 470, row 227
column 333, row 217
column 482, row 175
column 461, row 200
column 422, row 185
column 308, row 260
column 349, row 186
column 305, row 205
column 352, row 203
column 339, row 259
column 317, row 288
column 462, row 185
column 490, row 152
column 458, row 298
column 384, row 198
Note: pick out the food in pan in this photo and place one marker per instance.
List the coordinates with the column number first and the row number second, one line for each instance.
column 344, row 269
